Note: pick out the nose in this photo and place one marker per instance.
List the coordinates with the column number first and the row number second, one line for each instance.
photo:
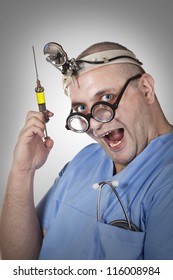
column 95, row 125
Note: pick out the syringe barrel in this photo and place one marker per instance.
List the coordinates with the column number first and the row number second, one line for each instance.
column 42, row 108
column 40, row 95
column 41, row 101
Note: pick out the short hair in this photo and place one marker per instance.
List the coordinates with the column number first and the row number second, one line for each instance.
column 101, row 46
column 126, row 68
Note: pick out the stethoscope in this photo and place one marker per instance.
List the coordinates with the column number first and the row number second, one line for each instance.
column 125, row 224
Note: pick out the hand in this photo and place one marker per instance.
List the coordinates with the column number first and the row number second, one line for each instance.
column 32, row 150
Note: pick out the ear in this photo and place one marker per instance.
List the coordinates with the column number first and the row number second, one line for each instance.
column 146, row 86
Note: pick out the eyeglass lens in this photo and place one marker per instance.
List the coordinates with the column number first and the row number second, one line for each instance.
column 102, row 113
column 78, row 123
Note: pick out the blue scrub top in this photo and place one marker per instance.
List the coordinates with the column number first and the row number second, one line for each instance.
column 68, row 210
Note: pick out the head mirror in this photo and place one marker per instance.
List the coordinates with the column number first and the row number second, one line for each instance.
column 56, row 55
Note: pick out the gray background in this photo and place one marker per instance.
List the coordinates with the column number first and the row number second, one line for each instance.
column 145, row 27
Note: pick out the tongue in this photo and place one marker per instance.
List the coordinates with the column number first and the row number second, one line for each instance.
column 116, row 135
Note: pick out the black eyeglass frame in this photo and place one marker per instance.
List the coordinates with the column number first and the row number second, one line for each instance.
column 112, row 106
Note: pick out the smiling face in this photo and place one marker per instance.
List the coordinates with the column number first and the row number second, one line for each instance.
column 132, row 128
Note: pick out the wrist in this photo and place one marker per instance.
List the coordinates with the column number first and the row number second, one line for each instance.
column 23, row 178
column 22, row 169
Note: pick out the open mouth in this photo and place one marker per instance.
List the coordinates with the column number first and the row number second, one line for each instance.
column 114, row 138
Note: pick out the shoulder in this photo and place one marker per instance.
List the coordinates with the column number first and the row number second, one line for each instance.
column 89, row 155
column 90, row 149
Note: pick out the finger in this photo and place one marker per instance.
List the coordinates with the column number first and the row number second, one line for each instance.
column 50, row 114
column 32, row 114
column 44, row 117
column 34, row 121
column 49, row 143
column 27, row 133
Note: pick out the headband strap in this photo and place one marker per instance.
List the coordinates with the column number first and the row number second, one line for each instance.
column 72, row 68
column 99, row 59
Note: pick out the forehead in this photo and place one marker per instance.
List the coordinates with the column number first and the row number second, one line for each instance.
column 97, row 80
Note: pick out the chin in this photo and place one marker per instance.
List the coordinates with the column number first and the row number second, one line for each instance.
column 122, row 157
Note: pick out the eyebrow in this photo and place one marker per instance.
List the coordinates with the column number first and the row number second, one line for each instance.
column 96, row 95
column 103, row 91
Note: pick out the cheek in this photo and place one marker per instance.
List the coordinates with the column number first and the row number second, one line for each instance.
column 133, row 110
column 136, row 117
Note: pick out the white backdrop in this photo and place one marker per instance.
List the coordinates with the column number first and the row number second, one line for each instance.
column 145, row 27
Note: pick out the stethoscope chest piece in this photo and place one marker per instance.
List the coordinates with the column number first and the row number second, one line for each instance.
column 124, row 225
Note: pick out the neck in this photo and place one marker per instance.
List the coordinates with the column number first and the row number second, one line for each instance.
column 118, row 168
column 162, row 126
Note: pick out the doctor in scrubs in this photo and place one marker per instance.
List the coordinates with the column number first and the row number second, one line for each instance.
column 114, row 199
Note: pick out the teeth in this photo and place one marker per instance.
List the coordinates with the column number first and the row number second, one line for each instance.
column 115, row 144
column 107, row 133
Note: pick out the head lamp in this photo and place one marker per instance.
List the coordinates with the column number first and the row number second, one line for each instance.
column 72, row 68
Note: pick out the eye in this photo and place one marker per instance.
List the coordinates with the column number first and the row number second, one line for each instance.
column 81, row 109
column 107, row 97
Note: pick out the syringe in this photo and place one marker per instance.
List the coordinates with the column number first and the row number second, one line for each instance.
column 40, row 96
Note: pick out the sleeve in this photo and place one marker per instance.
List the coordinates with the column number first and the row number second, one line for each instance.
column 159, row 229
column 47, row 207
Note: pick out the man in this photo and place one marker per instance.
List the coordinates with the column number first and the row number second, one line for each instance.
column 127, row 214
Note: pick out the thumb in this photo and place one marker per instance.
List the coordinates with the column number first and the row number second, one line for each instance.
column 48, row 144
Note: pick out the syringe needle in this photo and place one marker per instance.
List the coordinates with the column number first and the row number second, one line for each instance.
column 40, row 95
column 35, row 63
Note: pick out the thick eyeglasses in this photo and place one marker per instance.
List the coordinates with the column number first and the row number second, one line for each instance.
column 101, row 111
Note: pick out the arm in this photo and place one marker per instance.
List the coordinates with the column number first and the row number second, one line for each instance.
column 20, row 233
